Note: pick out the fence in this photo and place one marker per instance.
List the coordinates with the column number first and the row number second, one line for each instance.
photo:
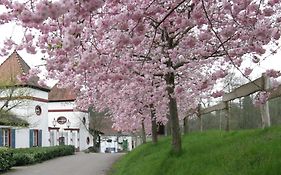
column 260, row 84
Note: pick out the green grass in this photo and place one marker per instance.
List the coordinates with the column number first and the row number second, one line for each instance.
column 248, row 152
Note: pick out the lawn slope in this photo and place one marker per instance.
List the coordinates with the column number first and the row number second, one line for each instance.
column 250, row 152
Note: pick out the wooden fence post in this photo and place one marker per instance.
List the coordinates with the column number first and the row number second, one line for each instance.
column 200, row 117
column 185, row 125
column 219, row 112
column 227, row 115
column 265, row 116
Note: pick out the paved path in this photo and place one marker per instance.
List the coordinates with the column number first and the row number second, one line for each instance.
column 79, row 164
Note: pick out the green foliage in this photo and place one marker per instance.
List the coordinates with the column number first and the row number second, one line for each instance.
column 92, row 149
column 6, row 159
column 26, row 156
column 251, row 152
column 9, row 119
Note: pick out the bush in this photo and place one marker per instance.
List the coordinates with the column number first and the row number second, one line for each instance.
column 6, row 159
column 23, row 159
column 92, row 149
column 27, row 156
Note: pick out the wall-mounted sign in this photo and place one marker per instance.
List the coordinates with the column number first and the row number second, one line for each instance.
column 61, row 120
column 38, row 110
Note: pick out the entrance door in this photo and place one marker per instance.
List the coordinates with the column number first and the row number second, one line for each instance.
column 61, row 141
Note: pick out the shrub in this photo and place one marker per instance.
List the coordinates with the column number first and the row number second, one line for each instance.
column 26, row 156
column 92, row 149
column 6, row 159
column 23, row 159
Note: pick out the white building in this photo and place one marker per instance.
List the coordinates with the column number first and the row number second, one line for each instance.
column 67, row 126
column 49, row 112
column 112, row 140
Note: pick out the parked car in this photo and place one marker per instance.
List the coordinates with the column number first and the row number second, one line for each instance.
column 110, row 150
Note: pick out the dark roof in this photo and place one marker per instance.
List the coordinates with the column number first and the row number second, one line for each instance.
column 13, row 66
column 61, row 94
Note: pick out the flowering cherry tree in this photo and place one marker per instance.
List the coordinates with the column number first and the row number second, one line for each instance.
column 125, row 55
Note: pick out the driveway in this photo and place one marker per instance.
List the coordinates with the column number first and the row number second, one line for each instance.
column 79, row 164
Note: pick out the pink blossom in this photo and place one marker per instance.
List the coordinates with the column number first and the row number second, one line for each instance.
column 42, row 83
column 190, row 41
column 179, row 90
column 248, row 71
column 261, row 98
column 273, row 2
column 276, row 33
column 217, row 94
column 23, row 78
column 123, row 56
column 268, row 11
column 273, row 73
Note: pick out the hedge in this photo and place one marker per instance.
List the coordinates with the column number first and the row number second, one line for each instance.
column 6, row 159
column 27, row 156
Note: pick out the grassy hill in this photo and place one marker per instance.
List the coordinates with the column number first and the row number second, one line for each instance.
column 249, row 152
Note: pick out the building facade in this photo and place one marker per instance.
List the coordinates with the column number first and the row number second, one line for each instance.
column 50, row 113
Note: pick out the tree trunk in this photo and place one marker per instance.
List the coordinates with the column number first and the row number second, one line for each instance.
column 265, row 115
column 95, row 140
column 200, row 117
column 168, row 127
column 220, row 120
column 153, row 125
column 185, row 123
column 143, row 134
column 174, row 118
column 201, row 123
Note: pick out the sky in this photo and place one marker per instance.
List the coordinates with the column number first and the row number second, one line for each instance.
column 16, row 32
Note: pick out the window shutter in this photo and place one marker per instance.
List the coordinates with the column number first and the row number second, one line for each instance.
column 31, row 138
column 13, row 137
column 1, row 139
column 40, row 138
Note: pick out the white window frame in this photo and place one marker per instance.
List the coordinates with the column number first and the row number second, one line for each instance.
column 6, row 137
column 35, row 137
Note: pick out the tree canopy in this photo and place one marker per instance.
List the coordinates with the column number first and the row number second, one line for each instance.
column 128, row 55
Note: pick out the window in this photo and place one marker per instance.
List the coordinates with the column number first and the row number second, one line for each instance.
column 35, row 138
column 52, row 138
column 66, row 137
column 6, row 137
column 72, row 138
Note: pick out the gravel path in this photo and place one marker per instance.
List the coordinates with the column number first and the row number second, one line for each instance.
column 79, row 164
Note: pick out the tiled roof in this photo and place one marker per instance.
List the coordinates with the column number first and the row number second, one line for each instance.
column 61, row 94
column 13, row 66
